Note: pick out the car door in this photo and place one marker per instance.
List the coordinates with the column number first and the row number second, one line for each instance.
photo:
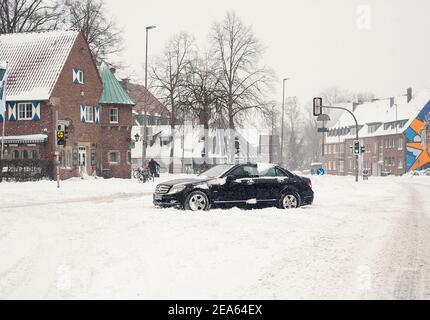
column 239, row 191
column 270, row 184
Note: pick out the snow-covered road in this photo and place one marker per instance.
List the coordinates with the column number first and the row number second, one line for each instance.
column 104, row 239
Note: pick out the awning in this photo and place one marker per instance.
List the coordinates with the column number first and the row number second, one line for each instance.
column 29, row 139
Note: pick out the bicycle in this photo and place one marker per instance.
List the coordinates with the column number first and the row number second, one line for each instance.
column 142, row 175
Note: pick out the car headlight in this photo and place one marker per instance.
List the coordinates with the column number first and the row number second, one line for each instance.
column 177, row 189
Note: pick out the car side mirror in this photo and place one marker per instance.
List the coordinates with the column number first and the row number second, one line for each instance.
column 230, row 179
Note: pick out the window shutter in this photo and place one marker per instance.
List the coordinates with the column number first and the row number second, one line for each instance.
column 12, row 111
column 97, row 115
column 36, row 111
column 83, row 114
column 75, row 75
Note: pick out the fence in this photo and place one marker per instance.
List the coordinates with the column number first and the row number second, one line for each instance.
column 26, row 170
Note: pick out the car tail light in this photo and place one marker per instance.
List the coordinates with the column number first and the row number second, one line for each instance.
column 310, row 184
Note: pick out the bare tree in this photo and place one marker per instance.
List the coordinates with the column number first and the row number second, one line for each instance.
column 202, row 95
column 335, row 95
column 238, row 53
column 101, row 32
column 29, row 15
column 169, row 75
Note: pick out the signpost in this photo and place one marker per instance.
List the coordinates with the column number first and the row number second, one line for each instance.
column 318, row 107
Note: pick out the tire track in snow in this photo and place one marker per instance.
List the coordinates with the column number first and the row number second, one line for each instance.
column 98, row 199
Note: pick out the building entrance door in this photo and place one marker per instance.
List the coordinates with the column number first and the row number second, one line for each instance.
column 83, row 160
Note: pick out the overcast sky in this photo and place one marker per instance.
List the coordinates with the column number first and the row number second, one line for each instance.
column 376, row 45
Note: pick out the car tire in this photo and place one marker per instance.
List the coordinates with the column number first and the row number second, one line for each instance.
column 289, row 200
column 197, row 201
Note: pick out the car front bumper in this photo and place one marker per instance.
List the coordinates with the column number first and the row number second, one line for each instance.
column 167, row 200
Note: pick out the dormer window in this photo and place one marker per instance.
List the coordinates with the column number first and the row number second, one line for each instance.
column 78, row 76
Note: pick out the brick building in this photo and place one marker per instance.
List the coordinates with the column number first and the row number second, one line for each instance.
column 394, row 132
column 55, row 72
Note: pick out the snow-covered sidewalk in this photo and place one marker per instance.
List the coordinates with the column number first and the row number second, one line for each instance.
column 104, row 239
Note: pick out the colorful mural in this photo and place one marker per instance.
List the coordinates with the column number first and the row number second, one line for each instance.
column 417, row 153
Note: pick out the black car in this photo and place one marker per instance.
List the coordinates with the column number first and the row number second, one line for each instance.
column 244, row 186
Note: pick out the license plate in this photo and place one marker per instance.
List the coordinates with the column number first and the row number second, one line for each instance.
column 158, row 197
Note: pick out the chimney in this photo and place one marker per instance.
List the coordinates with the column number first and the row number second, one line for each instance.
column 409, row 94
column 113, row 70
column 392, row 101
column 124, row 83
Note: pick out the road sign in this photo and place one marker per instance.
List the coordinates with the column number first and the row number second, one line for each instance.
column 320, row 171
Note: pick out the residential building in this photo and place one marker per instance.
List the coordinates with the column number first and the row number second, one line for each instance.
column 54, row 73
column 393, row 132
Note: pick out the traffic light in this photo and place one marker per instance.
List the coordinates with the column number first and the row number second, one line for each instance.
column 237, row 145
column 318, row 105
column 356, row 148
column 61, row 136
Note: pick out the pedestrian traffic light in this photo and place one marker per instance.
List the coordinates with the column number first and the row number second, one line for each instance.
column 356, row 148
column 61, row 138
column 318, row 105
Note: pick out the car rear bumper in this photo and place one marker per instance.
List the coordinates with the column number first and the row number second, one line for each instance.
column 308, row 198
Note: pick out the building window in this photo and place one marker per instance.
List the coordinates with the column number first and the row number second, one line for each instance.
column 25, row 111
column 62, row 159
column 128, row 157
column 15, row 155
column 78, row 76
column 24, row 155
column 34, row 154
column 114, row 157
column 113, row 115
column 89, row 114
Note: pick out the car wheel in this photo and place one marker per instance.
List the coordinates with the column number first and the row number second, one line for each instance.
column 197, row 201
column 290, row 201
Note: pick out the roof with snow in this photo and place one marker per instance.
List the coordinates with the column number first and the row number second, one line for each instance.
column 139, row 94
column 113, row 92
column 378, row 118
column 35, row 61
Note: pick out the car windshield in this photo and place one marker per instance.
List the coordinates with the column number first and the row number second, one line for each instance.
column 217, row 171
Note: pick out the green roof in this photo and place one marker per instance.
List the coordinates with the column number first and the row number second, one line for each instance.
column 113, row 92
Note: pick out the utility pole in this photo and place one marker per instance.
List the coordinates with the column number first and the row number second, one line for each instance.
column 318, row 107
column 145, row 105
column 57, row 151
column 283, row 119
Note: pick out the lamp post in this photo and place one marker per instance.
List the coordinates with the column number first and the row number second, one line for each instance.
column 145, row 104
column 283, row 119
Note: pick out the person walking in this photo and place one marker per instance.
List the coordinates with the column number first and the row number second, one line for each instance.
column 154, row 167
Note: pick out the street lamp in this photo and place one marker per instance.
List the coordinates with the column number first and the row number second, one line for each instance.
column 145, row 104
column 283, row 118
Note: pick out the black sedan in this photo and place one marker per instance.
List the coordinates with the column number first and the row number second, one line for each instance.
column 244, row 186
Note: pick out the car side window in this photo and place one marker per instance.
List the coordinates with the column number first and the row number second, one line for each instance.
column 280, row 173
column 272, row 172
column 245, row 172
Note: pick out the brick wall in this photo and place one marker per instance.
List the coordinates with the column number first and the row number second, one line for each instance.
column 116, row 138
column 384, row 154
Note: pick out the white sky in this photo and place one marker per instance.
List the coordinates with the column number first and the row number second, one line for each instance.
column 316, row 43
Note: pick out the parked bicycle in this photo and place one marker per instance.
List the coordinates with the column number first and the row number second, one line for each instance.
column 142, row 175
